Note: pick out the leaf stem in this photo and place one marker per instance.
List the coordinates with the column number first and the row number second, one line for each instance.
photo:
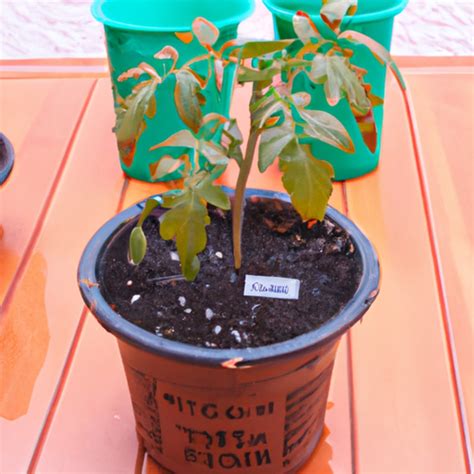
column 245, row 168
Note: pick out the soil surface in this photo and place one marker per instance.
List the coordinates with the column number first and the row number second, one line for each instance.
column 212, row 311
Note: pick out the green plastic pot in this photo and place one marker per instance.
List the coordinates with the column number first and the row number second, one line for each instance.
column 374, row 18
column 136, row 30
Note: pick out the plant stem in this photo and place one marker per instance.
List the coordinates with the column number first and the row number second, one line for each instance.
column 238, row 208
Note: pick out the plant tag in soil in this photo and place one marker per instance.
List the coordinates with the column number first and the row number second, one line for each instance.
column 272, row 287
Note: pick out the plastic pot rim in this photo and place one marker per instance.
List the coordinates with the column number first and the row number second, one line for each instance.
column 99, row 15
column 124, row 330
column 5, row 172
column 287, row 14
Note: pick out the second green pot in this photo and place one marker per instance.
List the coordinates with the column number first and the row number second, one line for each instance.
column 375, row 19
column 135, row 31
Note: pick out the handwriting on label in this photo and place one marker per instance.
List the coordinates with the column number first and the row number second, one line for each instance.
column 272, row 287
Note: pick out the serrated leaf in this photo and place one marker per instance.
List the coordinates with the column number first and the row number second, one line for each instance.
column 211, row 124
column 318, row 72
column 307, row 181
column 168, row 52
column 333, row 12
column 165, row 165
column 186, row 99
column 130, row 119
column 214, row 153
column 206, row 32
column 214, row 195
column 186, row 221
column 272, row 142
column 379, row 51
column 137, row 245
column 234, row 135
column 326, row 128
column 246, row 74
column 254, row 49
column 136, row 72
column 342, row 80
column 183, row 138
column 304, row 27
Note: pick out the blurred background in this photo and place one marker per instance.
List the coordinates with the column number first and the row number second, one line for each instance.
column 65, row 28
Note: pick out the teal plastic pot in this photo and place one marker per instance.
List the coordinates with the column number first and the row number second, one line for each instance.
column 374, row 18
column 135, row 31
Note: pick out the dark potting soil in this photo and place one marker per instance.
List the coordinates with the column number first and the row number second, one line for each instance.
column 212, row 311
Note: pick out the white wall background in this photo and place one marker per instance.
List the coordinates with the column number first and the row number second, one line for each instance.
column 65, row 28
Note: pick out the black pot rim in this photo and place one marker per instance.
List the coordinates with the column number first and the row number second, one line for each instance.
column 6, row 169
column 124, row 330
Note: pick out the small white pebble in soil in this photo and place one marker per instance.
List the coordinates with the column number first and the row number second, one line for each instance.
column 207, row 285
column 182, row 300
column 219, row 255
column 129, row 283
column 210, row 344
column 174, row 256
column 159, row 314
column 209, row 314
column 236, row 335
column 188, row 310
column 135, row 298
column 217, row 330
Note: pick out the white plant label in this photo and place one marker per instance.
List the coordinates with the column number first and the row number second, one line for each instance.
column 272, row 287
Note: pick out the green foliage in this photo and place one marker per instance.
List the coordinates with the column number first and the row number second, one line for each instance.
column 280, row 120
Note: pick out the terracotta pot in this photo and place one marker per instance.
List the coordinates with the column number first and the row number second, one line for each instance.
column 196, row 413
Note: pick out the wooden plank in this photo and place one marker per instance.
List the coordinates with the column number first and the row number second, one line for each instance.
column 38, row 328
column 105, row 419
column 404, row 399
column 40, row 130
column 444, row 108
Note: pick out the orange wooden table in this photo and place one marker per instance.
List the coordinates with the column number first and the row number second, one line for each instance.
column 402, row 396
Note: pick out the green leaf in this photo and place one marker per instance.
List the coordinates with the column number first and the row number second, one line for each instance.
column 137, row 245
column 379, row 51
column 211, row 124
column 186, row 221
column 214, row 195
column 254, row 49
column 206, row 32
column 342, row 80
column 187, row 101
column 183, row 138
column 130, row 121
column 318, row 72
column 307, row 180
column 304, row 27
column 136, row 72
column 168, row 52
column 326, row 128
column 234, row 135
column 272, row 142
column 215, row 154
column 333, row 12
column 165, row 166
column 257, row 75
